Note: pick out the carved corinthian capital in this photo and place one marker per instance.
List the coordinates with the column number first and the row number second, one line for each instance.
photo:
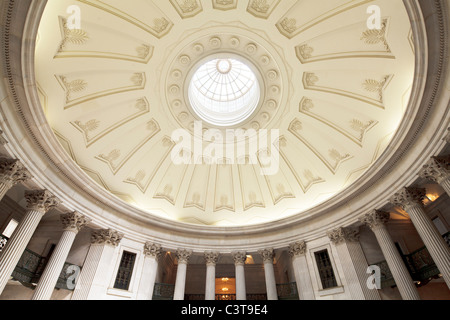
column 152, row 250
column 436, row 169
column 12, row 171
column 41, row 200
column 375, row 219
column 408, row 197
column 183, row 256
column 341, row 235
column 239, row 258
column 267, row 255
column 106, row 236
column 297, row 249
column 211, row 258
column 74, row 221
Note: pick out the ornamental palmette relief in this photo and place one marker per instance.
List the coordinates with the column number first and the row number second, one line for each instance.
column 436, row 169
column 375, row 219
column 341, row 235
column 41, row 200
column 239, row 257
column 74, row 221
column 106, row 236
column 13, row 171
column 153, row 250
column 408, row 197
column 297, row 249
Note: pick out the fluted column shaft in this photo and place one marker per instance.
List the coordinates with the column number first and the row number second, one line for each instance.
column 305, row 290
column 353, row 262
column 410, row 199
column 49, row 277
column 210, row 289
column 39, row 202
column 147, row 283
column 435, row 243
column 401, row 275
column 180, row 281
column 376, row 220
column 72, row 223
column 269, row 274
column 211, row 259
column 93, row 280
column 239, row 263
column 16, row 245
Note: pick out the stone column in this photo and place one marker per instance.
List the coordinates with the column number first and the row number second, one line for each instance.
column 271, row 286
column 72, row 224
column 39, row 202
column 12, row 172
column 97, row 268
column 211, row 259
column 180, row 282
column 376, row 221
column 411, row 201
column 152, row 254
column 239, row 263
column 354, row 263
column 437, row 170
column 297, row 251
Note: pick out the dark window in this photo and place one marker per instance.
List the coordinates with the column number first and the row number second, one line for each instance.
column 123, row 277
column 325, row 269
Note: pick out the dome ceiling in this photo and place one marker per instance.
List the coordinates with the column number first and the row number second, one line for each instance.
column 332, row 92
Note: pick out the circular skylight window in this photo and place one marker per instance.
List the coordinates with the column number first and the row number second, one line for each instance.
column 224, row 92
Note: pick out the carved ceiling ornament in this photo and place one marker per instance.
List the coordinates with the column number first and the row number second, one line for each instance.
column 267, row 255
column 12, row 171
column 74, row 221
column 106, row 236
column 297, row 249
column 341, row 235
column 408, row 197
column 183, row 255
column 41, row 200
column 153, row 250
column 211, row 258
column 206, row 47
column 436, row 169
column 375, row 219
column 239, row 258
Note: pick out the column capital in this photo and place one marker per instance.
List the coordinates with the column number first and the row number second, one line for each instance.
column 436, row 169
column 183, row 255
column 106, row 236
column 152, row 250
column 297, row 249
column 74, row 221
column 41, row 200
column 13, row 171
column 407, row 197
column 211, row 258
column 239, row 257
column 267, row 255
column 375, row 219
column 341, row 235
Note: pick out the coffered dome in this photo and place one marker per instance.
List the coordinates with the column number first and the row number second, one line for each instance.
column 329, row 91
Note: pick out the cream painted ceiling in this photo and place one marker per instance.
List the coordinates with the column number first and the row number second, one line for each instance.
column 113, row 91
